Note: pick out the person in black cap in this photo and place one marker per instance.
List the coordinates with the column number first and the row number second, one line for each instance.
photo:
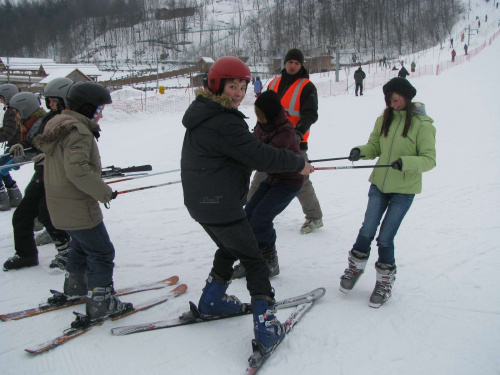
column 278, row 189
column 299, row 97
column 405, row 138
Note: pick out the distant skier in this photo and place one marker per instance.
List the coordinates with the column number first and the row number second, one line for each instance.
column 257, row 87
column 453, row 54
column 466, row 47
column 359, row 76
column 403, row 73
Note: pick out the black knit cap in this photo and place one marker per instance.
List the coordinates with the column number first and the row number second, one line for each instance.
column 295, row 54
column 400, row 86
column 269, row 103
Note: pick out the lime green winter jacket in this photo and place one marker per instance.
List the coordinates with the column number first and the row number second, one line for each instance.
column 417, row 151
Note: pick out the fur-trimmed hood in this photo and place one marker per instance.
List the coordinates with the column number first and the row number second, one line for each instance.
column 61, row 126
column 207, row 105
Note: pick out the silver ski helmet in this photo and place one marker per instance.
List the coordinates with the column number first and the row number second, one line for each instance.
column 57, row 88
column 7, row 91
column 85, row 97
column 26, row 103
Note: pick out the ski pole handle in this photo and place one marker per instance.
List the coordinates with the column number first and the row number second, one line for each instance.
column 319, row 160
column 352, row 167
column 15, row 165
column 148, row 187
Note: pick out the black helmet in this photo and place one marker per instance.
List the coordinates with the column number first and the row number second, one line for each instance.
column 26, row 104
column 57, row 88
column 7, row 91
column 85, row 97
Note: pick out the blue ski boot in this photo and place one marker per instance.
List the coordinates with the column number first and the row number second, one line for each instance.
column 268, row 330
column 215, row 301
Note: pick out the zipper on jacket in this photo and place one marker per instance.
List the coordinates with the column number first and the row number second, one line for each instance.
column 390, row 152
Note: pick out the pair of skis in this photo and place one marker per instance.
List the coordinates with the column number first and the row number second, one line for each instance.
column 302, row 304
column 84, row 324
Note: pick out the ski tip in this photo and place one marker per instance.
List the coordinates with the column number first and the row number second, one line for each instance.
column 179, row 289
column 172, row 280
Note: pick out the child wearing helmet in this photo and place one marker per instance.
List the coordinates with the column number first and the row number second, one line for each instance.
column 74, row 188
column 218, row 155
column 33, row 204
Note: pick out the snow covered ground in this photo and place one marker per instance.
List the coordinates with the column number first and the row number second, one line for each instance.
column 443, row 318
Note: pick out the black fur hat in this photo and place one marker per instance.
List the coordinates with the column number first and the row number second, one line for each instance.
column 295, row 54
column 401, row 86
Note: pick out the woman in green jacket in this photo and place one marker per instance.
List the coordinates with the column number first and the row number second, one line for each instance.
column 405, row 138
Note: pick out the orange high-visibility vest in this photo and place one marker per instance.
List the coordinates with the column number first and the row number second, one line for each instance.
column 291, row 100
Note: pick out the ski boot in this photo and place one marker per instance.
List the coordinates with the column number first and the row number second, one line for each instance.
column 268, row 331
column 4, row 200
column 43, row 238
column 386, row 275
column 75, row 284
column 16, row 262
column 15, row 195
column 215, row 301
column 271, row 257
column 310, row 225
column 357, row 263
column 61, row 257
column 102, row 302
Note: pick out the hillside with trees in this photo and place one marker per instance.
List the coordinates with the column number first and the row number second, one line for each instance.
column 137, row 31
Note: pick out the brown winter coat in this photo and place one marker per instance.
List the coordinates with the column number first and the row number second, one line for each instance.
column 10, row 132
column 72, row 174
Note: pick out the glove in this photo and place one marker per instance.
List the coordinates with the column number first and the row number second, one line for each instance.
column 17, row 150
column 397, row 164
column 298, row 135
column 39, row 158
column 354, row 155
column 114, row 195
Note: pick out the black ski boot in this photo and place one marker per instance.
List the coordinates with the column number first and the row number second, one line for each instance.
column 75, row 284
column 271, row 256
column 102, row 302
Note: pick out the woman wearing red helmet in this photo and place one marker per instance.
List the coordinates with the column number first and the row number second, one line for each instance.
column 218, row 156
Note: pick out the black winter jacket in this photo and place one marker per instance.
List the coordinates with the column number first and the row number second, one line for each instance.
column 218, row 156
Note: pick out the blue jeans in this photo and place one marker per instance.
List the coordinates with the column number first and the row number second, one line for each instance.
column 268, row 202
column 91, row 252
column 395, row 207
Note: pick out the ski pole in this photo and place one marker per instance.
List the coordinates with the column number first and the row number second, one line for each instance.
column 352, row 167
column 15, row 165
column 148, row 187
column 318, row 160
column 8, row 153
column 147, row 175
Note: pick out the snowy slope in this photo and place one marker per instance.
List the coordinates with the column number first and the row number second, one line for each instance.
column 444, row 317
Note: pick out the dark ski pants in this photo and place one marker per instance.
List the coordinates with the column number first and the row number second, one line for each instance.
column 360, row 87
column 306, row 196
column 91, row 252
column 268, row 202
column 236, row 241
column 33, row 205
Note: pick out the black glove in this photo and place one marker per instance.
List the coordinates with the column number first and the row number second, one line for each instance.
column 114, row 194
column 397, row 164
column 298, row 135
column 354, row 155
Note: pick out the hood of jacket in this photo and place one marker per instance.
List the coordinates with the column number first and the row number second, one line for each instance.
column 278, row 121
column 205, row 106
column 60, row 126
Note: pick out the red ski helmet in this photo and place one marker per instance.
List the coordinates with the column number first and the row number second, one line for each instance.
column 224, row 68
